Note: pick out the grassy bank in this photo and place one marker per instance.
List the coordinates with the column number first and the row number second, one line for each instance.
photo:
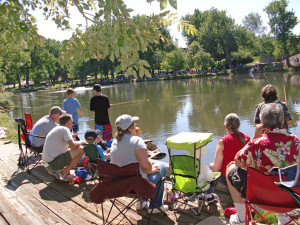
column 6, row 122
column 10, row 127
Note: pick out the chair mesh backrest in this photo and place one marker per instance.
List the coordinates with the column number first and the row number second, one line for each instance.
column 262, row 190
column 28, row 120
column 92, row 152
column 183, row 170
column 22, row 127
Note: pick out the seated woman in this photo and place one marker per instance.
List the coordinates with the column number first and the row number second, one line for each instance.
column 228, row 146
column 129, row 148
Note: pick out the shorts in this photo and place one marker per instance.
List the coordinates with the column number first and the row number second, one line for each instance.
column 222, row 180
column 238, row 179
column 59, row 162
column 75, row 128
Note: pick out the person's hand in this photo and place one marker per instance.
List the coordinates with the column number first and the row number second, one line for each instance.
column 138, row 131
column 259, row 131
column 211, row 165
column 81, row 114
column 155, row 169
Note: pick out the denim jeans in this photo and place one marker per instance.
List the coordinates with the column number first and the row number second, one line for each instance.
column 155, row 179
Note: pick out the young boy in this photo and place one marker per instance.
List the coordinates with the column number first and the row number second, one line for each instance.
column 93, row 137
column 70, row 105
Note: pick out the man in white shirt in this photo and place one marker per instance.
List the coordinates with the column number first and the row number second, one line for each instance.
column 61, row 153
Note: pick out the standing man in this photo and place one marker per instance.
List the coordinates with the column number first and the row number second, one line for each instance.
column 61, row 153
column 44, row 125
column 100, row 105
column 70, row 105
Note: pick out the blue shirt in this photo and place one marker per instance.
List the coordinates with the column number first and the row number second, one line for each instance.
column 101, row 152
column 70, row 105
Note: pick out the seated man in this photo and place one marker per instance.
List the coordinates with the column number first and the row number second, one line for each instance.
column 271, row 146
column 56, row 154
column 44, row 125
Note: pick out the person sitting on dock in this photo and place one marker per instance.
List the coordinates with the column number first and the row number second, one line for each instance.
column 228, row 146
column 94, row 137
column 269, row 95
column 271, row 146
column 61, row 153
column 129, row 148
column 44, row 125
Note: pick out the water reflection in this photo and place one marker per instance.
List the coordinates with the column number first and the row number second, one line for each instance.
column 196, row 105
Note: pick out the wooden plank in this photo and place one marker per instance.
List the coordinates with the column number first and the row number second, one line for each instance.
column 71, row 204
column 45, row 197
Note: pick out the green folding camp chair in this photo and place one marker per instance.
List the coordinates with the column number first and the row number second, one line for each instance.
column 185, row 151
column 91, row 152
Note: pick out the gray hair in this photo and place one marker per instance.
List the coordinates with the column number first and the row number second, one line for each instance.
column 272, row 115
column 232, row 122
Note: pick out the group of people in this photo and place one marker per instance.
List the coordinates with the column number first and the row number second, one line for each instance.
column 271, row 146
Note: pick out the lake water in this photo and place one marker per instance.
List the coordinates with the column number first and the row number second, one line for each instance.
column 186, row 105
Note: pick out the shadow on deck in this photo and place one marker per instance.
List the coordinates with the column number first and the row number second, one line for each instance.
column 37, row 198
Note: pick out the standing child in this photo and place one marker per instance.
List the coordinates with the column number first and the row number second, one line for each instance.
column 70, row 105
column 100, row 105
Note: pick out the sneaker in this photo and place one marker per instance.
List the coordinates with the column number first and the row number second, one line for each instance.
column 156, row 210
column 234, row 219
column 65, row 178
column 144, row 205
column 208, row 197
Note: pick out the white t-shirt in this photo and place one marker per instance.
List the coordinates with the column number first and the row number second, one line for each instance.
column 123, row 152
column 56, row 143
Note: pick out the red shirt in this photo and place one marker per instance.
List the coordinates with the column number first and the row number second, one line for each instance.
column 231, row 146
column 277, row 148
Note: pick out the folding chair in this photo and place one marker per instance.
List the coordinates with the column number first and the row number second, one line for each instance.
column 292, row 187
column 29, row 151
column 263, row 192
column 116, row 182
column 186, row 168
column 91, row 152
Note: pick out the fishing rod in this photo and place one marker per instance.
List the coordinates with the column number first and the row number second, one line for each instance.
column 284, row 95
column 122, row 103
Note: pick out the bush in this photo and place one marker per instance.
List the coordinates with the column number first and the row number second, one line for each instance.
column 242, row 56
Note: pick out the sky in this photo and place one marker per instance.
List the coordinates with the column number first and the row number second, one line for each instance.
column 236, row 9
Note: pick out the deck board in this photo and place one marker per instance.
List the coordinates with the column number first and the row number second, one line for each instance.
column 37, row 198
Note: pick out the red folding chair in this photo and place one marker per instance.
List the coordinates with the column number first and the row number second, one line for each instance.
column 263, row 192
column 29, row 124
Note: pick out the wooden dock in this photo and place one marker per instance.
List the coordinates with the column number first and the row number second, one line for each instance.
column 37, row 198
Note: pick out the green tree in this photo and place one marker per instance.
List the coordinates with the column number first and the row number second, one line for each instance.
column 216, row 33
column 193, row 49
column 175, row 60
column 254, row 23
column 42, row 66
column 282, row 23
column 203, row 60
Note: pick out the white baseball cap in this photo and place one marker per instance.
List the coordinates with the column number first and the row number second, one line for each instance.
column 125, row 121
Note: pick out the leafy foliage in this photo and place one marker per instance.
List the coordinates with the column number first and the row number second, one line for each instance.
column 281, row 23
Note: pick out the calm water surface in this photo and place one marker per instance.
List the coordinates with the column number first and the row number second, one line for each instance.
column 187, row 105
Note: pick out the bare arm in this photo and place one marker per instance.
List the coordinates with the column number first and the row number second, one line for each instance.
column 217, row 164
column 74, row 144
column 144, row 162
column 80, row 112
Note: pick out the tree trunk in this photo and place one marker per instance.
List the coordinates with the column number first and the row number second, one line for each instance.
column 27, row 77
column 19, row 80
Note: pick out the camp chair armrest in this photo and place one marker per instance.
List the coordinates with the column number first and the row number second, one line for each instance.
column 33, row 135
